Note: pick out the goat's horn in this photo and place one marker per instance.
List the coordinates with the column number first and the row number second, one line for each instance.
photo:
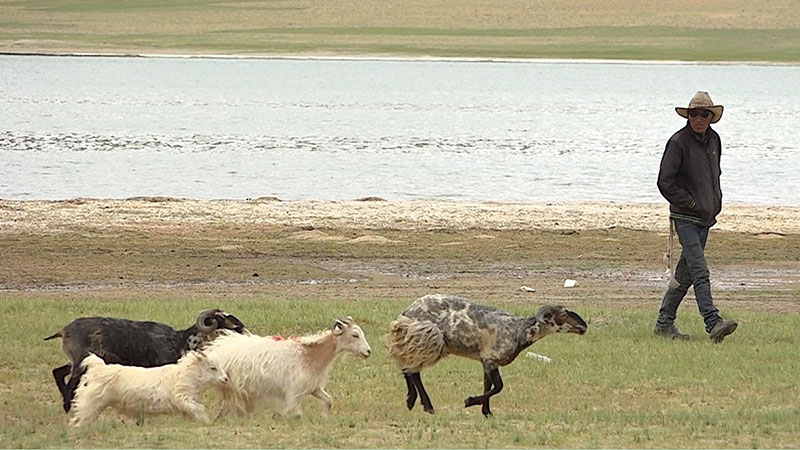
column 206, row 322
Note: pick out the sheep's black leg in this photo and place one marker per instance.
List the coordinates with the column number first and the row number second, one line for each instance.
column 497, row 382
column 492, row 384
column 423, row 395
column 411, row 397
column 60, row 374
column 478, row 400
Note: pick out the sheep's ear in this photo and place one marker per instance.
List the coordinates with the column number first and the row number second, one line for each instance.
column 233, row 323
column 544, row 314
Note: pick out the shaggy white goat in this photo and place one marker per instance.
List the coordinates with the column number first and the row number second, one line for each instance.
column 138, row 391
column 277, row 372
column 110, row 338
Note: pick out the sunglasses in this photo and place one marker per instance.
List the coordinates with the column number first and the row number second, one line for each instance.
column 704, row 113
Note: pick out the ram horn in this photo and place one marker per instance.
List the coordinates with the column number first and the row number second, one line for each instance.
column 207, row 322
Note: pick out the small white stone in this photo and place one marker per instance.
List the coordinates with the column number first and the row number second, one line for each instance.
column 539, row 357
column 570, row 283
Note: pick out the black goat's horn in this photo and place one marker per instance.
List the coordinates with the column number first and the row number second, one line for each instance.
column 206, row 322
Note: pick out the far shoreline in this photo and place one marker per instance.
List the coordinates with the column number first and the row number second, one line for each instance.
column 312, row 57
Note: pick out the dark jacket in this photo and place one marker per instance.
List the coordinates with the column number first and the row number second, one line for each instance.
column 689, row 176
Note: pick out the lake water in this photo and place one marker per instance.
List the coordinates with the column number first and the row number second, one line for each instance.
column 344, row 129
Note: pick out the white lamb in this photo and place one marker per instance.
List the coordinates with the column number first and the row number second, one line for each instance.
column 139, row 391
column 278, row 373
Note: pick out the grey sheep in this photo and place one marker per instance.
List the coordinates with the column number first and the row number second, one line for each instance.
column 435, row 326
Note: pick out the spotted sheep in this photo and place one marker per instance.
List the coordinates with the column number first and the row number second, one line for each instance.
column 140, row 391
column 132, row 343
column 277, row 372
column 437, row 325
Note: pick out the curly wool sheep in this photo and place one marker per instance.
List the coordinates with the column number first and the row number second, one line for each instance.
column 437, row 325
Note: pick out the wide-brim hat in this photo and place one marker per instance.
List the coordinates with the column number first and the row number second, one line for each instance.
column 702, row 100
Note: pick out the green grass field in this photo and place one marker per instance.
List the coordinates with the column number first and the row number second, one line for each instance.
column 617, row 386
column 734, row 30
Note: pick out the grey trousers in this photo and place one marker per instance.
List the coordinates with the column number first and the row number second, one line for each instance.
column 691, row 270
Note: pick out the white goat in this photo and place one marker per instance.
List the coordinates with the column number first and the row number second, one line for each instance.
column 277, row 372
column 138, row 391
column 110, row 338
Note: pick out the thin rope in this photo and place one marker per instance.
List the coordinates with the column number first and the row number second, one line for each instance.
column 673, row 283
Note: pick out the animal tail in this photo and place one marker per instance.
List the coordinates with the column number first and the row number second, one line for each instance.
column 53, row 336
column 415, row 344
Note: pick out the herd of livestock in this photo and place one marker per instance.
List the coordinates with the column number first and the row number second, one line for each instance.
column 146, row 368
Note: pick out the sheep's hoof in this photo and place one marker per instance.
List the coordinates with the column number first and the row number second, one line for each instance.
column 487, row 414
column 429, row 410
column 411, row 401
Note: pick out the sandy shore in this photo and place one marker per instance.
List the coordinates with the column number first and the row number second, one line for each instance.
column 166, row 213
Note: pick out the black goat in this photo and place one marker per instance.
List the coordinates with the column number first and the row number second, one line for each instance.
column 132, row 343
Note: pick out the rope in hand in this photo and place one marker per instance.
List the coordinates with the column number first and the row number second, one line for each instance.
column 673, row 283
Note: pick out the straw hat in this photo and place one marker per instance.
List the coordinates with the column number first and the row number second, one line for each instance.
column 701, row 100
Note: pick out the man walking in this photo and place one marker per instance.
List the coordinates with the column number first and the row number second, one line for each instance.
column 689, row 180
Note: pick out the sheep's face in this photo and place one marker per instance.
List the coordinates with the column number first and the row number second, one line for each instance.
column 350, row 338
column 558, row 319
column 207, row 371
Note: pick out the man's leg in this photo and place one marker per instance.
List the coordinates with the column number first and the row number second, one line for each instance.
column 674, row 295
column 693, row 239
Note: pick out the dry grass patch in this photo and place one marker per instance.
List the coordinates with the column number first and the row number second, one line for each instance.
column 565, row 28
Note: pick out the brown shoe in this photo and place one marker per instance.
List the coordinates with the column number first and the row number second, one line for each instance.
column 671, row 332
column 721, row 329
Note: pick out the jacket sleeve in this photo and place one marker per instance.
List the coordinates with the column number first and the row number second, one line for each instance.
column 668, row 177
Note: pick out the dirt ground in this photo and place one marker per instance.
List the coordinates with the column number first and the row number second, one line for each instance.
column 492, row 252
